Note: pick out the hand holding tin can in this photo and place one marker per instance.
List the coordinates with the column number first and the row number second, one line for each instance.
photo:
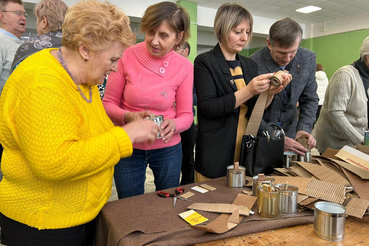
column 158, row 119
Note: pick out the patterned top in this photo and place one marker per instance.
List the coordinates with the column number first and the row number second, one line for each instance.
column 49, row 40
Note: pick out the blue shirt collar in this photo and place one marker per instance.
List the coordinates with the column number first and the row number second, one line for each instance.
column 8, row 33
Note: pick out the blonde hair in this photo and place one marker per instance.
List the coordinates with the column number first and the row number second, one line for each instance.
column 96, row 25
column 54, row 11
column 229, row 16
column 176, row 16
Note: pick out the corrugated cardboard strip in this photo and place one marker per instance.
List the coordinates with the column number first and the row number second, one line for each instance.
column 326, row 191
column 220, row 208
column 324, row 173
column 226, row 222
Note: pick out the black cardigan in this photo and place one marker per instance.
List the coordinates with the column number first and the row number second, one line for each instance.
column 217, row 116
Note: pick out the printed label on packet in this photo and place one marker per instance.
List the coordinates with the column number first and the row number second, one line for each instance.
column 192, row 217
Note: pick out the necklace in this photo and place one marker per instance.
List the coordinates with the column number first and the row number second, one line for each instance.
column 62, row 62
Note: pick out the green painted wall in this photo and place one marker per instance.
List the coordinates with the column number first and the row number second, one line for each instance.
column 332, row 51
column 191, row 8
column 335, row 51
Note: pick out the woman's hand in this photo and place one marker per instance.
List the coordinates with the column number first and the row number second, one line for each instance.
column 168, row 128
column 142, row 131
column 130, row 116
column 259, row 84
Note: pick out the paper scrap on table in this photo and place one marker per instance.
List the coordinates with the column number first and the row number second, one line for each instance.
column 208, row 187
column 193, row 217
column 199, row 189
column 188, row 194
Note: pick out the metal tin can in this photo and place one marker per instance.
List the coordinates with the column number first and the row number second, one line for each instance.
column 366, row 138
column 329, row 221
column 158, row 119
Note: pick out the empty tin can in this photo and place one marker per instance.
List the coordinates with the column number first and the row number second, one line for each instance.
column 158, row 119
column 236, row 177
column 287, row 199
column 329, row 221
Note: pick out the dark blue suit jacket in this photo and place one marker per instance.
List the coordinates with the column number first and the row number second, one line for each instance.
column 303, row 90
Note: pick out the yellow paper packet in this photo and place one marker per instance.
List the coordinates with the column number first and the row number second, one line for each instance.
column 192, row 217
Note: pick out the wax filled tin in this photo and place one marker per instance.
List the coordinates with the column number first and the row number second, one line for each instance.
column 158, row 119
column 236, row 177
column 329, row 221
column 268, row 201
column 258, row 182
column 287, row 199
column 366, row 138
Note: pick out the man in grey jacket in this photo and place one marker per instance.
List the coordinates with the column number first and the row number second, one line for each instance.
column 283, row 53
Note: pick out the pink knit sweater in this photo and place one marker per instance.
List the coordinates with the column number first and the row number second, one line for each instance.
column 145, row 82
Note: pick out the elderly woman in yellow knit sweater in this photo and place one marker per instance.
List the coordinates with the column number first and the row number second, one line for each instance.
column 53, row 126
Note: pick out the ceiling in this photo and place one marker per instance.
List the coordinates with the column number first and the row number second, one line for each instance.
column 278, row 9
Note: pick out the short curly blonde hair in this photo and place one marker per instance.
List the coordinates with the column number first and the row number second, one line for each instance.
column 96, row 25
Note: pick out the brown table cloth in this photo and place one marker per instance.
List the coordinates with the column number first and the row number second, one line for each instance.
column 152, row 220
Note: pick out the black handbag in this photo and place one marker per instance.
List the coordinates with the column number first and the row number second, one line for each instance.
column 260, row 154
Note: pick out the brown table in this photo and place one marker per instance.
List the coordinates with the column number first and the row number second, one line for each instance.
column 151, row 220
column 356, row 233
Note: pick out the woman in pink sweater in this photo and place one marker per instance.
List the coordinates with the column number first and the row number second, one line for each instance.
column 153, row 79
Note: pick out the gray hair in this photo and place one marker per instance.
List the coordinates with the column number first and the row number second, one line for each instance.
column 284, row 33
column 4, row 3
column 54, row 10
column 364, row 49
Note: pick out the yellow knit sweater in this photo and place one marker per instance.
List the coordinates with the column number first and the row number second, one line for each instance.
column 59, row 150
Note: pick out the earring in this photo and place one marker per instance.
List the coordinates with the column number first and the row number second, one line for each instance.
column 86, row 58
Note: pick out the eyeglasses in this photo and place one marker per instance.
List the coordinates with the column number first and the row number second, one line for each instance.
column 18, row 13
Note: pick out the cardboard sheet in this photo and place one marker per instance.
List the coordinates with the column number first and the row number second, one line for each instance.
column 297, row 170
column 299, row 182
column 354, row 157
column 356, row 207
column 360, row 185
column 324, row 173
column 226, row 222
column 331, row 153
column 326, row 191
column 220, row 208
column 357, row 170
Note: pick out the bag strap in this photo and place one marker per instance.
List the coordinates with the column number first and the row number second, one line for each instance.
column 257, row 114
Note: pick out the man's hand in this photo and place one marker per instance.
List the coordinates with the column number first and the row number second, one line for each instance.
column 311, row 140
column 292, row 145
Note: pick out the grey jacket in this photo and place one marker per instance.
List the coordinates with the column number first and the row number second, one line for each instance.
column 343, row 117
column 303, row 90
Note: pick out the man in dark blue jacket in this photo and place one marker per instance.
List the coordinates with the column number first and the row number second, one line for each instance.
column 283, row 53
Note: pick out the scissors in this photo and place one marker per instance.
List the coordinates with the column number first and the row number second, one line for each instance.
column 164, row 194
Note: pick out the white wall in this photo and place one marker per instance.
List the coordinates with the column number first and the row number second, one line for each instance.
column 206, row 39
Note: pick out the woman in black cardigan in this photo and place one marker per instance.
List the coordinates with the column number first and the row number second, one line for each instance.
column 227, row 86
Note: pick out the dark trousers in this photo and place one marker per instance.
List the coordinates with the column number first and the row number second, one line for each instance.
column 188, row 162
column 18, row 234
